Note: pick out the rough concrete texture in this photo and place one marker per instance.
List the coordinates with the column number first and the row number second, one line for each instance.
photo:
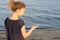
column 39, row 34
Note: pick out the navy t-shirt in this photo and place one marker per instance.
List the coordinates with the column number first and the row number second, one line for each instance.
column 13, row 29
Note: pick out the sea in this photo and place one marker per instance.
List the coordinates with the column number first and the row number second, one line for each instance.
column 46, row 13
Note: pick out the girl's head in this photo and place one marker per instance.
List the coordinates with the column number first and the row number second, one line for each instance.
column 17, row 7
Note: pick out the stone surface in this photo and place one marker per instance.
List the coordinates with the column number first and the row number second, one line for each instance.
column 39, row 34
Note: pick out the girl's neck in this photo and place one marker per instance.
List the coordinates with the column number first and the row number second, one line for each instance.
column 13, row 17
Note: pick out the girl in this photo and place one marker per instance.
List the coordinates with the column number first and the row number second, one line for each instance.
column 15, row 27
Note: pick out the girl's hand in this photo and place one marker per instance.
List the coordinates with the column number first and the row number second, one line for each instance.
column 35, row 26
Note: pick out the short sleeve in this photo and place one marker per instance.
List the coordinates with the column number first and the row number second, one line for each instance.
column 21, row 23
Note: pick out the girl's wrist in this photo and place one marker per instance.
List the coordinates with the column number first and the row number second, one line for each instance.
column 32, row 28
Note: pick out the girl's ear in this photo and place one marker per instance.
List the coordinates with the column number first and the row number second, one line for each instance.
column 18, row 10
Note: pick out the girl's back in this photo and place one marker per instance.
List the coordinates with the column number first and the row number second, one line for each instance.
column 13, row 29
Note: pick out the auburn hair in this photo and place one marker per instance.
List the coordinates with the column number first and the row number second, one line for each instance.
column 15, row 5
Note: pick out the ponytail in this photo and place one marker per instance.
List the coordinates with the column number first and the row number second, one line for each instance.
column 15, row 5
column 10, row 4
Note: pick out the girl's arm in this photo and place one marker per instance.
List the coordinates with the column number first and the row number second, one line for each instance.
column 26, row 34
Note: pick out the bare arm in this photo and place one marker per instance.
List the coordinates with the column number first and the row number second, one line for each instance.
column 26, row 34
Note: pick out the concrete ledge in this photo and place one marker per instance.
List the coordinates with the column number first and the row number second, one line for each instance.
column 39, row 34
